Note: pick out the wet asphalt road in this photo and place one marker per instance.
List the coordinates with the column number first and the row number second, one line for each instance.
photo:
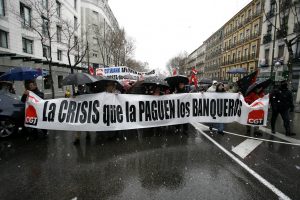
column 145, row 164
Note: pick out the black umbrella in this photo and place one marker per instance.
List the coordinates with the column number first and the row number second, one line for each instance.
column 100, row 85
column 156, row 82
column 259, row 84
column 79, row 79
column 207, row 81
column 174, row 81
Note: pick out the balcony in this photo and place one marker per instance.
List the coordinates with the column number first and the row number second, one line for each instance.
column 285, row 4
column 245, row 58
column 297, row 28
column 267, row 38
column 270, row 14
column 264, row 63
column 281, row 33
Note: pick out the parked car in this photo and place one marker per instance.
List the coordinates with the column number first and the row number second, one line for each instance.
column 11, row 113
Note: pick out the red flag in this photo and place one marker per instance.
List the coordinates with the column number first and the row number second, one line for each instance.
column 194, row 78
column 174, row 72
column 91, row 70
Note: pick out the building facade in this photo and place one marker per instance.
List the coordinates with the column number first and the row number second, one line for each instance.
column 273, row 49
column 97, row 21
column 241, row 41
column 21, row 46
column 213, row 55
column 197, row 60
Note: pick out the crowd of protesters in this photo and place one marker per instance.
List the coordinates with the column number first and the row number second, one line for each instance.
column 280, row 98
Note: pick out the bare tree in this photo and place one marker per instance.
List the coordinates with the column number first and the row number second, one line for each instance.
column 285, row 10
column 42, row 21
column 122, row 47
column 137, row 65
column 76, row 46
column 178, row 62
column 103, row 35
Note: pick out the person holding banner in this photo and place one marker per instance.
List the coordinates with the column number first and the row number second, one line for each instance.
column 111, row 88
column 220, row 126
column 30, row 85
column 181, row 89
column 249, row 99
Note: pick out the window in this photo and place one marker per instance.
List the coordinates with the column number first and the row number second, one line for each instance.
column 47, row 82
column 75, row 4
column 27, row 45
column 239, row 54
column 280, row 51
column 58, row 33
column 45, row 26
column 269, row 29
column 26, row 15
column 59, row 81
column 2, row 8
column 258, row 7
column 95, row 41
column 95, row 15
column 247, row 33
column 46, row 51
column 254, row 50
column 241, row 36
column 45, row 4
column 267, row 54
column 58, row 9
column 245, row 52
column 272, row 8
column 255, row 28
column 59, row 55
column 297, row 54
column 234, row 40
column 249, row 13
column 75, row 22
column 3, row 39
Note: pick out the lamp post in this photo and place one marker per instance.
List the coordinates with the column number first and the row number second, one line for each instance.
column 274, row 38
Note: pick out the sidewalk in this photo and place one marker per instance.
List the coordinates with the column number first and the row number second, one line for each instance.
column 297, row 108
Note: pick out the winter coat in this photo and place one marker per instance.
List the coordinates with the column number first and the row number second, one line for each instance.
column 36, row 91
column 212, row 89
column 282, row 99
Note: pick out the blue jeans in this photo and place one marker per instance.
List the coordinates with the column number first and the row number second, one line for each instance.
column 220, row 127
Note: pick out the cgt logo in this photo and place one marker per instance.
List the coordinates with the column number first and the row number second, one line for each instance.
column 256, row 117
column 31, row 116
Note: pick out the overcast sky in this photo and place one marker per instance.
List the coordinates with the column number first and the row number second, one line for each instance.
column 163, row 28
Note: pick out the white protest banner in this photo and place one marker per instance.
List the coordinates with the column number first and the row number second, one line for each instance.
column 119, row 73
column 106, row 112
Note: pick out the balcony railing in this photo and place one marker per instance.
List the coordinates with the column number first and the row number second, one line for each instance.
column 297, row 28
column 281, row 33
column 267, row 38
column 270, row 14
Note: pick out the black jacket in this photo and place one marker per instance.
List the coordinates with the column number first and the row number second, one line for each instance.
column 36, row 91
column 282, row 99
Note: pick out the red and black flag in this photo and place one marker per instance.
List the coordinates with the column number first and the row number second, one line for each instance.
column 246, row 81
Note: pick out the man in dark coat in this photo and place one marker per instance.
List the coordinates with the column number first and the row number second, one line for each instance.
column 30, row 85
column 281, row 100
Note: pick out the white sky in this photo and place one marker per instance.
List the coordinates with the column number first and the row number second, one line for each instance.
column 163, row 28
